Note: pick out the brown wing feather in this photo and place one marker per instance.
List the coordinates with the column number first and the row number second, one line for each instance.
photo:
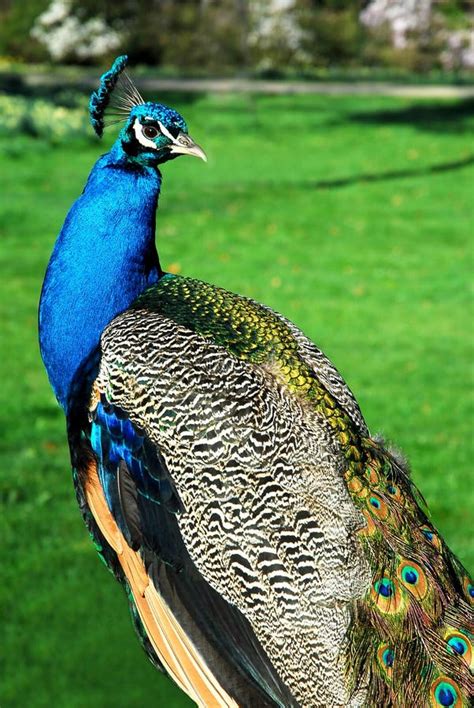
column 177, row 653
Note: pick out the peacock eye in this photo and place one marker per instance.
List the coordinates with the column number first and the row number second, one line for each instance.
column 150, row 132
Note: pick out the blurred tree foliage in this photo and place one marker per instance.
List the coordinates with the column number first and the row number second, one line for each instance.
column 455, row 12
column 202, row 34
column 332, row 32
column 223, row 35
column 16, row 21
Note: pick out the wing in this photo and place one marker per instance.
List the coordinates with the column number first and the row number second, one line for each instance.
column 184, row 624
column 220, row 492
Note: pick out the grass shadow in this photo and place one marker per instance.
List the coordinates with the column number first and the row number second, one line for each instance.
column 392, row 174
column 435, row 116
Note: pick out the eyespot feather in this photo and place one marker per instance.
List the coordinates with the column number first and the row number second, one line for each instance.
column 445, row 692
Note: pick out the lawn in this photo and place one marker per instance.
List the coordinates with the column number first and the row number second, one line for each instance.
column 354, row 218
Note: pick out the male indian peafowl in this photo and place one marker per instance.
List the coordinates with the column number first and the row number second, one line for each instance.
column 274, row 554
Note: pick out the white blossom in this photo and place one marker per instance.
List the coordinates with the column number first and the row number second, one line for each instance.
column 64, row 35
column 402, row 16
column 274, row 22
column 459, row 51
column 405, row 16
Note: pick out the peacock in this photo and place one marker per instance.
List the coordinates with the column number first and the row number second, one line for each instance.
column 273, row 552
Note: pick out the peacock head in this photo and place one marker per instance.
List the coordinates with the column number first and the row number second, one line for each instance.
column 155, row 133
column 152, row 134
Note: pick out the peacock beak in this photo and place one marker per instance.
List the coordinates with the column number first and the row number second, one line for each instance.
column 183, row 144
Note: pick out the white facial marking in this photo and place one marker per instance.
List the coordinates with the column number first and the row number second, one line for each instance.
column 167, row 133
column 138, row 130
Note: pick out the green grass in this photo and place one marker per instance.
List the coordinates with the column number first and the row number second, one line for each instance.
column 353, row 217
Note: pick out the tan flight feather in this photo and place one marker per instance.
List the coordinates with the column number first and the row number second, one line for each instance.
column 176, row 651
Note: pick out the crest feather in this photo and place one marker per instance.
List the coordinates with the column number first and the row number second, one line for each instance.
column 125, row 97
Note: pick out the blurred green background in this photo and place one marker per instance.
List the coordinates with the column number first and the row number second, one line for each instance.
column 352, row 215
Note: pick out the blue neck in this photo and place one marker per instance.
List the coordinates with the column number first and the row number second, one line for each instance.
column 104, row 257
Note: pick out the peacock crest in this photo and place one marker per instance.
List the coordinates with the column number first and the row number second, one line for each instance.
column 116, row 96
